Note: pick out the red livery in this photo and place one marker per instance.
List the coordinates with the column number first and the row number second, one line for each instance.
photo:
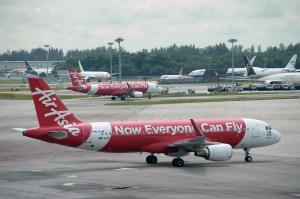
column 212, row 139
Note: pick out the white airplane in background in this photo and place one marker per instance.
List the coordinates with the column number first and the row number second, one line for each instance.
column 197, row 73
column 179, row 76
column 281, row 77
column 87, row 75
column 240, row 71
column 290, row 67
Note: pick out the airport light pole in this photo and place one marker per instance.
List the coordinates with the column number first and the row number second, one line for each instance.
column 119, row 40
column 47, row 47
column 110, row 44
column 265, row 59
column 209, row 59
column 232, row 40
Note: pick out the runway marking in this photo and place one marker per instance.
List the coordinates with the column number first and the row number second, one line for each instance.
column 69, row 184
column 72, row 176
column 125, row 169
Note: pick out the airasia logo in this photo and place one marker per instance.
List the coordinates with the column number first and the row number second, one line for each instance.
column 60, row 119
column 78, row 80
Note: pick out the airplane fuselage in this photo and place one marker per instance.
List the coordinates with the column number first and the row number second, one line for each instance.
column 153, row 136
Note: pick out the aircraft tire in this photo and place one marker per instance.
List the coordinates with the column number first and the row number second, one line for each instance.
column 113, row 98
column 123, row 98
column 151, row 159
column 178, row 162
column 248, row 159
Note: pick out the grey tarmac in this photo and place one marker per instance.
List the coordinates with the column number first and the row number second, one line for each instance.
column 34, row 169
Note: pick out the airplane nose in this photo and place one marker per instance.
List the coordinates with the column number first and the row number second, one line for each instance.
column 277, row 136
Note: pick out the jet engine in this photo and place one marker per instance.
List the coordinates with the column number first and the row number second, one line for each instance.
column 218, row 152
column 137, row 94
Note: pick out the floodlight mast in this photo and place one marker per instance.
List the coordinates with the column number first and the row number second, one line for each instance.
column 119, row 40
column 265, row 59
column 47, row 54
column 232, row 40
column 110, row 44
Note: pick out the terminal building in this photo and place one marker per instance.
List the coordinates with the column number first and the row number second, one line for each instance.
column 11, row 65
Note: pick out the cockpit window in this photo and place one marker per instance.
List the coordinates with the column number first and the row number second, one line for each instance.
column 268, row 128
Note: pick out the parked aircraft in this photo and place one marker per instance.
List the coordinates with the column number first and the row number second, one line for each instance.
column 197, row 73
column 87, row 75
column 121, row 90
column 241, row 71
column 37, row 71
column 281, row 77
column 213, row 139
column 179, row 76
column 290, row 67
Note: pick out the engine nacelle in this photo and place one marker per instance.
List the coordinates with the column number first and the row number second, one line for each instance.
column 137, row 94
column 218, row 152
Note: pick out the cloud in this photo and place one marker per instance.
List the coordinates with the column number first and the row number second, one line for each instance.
column 145, row 24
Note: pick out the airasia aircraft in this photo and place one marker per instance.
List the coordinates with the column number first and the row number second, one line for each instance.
column 212, row 139
column 115, row 89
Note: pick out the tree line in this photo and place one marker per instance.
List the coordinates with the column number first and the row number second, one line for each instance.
column 159, row 61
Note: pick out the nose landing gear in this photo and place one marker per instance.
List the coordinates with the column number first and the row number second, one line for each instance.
column 248, row 158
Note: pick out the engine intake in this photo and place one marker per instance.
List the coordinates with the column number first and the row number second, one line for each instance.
column 219, row 152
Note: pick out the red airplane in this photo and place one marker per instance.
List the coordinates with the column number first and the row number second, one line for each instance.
column 116, row 89
column 213, row 139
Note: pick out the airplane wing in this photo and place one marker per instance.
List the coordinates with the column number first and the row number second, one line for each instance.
column 199, row 140
column 187, row 143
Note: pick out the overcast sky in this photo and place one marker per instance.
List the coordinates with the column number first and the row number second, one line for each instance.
column 146, row 24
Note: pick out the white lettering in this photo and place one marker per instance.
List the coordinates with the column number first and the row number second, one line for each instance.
column 60, row 115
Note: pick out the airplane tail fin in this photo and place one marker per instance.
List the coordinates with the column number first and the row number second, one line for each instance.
column 252, row 61
column 30, row 69
column 292, row 63
column 180, row 71
column 76, row 79
column 248, row 66
column 80, row 66
column 50, row 110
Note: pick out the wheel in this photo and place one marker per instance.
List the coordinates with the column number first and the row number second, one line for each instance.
column 149, row 96
column 113, row 98
column 248, row 159
column 123, row 98
column 148, row 159
column 151, row 159
column 174, row 162
column 178, row 162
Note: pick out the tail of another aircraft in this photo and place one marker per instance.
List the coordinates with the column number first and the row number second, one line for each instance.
column 50, row 109
column 76, row 79
column 291, row 65
column 30, row 69
column 180, row 71
column 248, row 66
column 80, row 66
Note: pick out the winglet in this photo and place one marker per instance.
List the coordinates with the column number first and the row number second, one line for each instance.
column 198, row 131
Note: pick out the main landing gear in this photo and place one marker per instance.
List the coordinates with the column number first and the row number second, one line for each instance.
column 248, row 158
column 113, row 98
column 177, row 162
column 151, row 159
